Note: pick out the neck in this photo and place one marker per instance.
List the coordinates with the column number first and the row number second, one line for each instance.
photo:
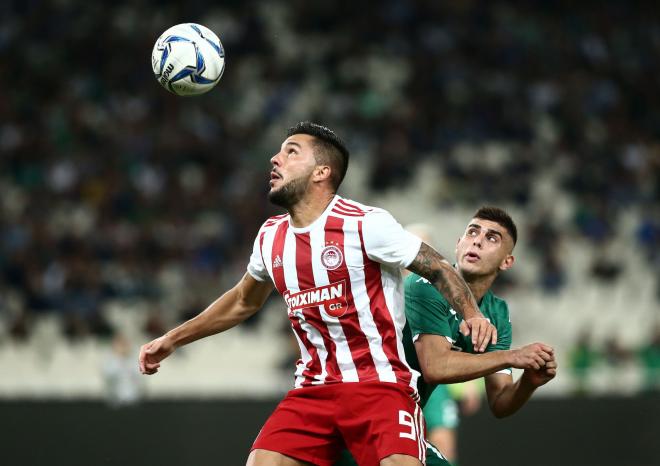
column 309, row 208
column 479, row 285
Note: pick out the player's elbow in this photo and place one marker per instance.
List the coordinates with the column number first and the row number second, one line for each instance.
column 500, row 412
column 435, row 375
column 247, row 308
column 244, row 307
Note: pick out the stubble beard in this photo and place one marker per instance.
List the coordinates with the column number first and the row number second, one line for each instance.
column 290, row 194
column 475, row 275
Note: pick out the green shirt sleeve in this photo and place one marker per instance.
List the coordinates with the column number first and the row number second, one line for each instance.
column 427, row 311
column 502, row 322
column 497, row 311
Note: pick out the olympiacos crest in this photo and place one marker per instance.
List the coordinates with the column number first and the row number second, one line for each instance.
column 332, row 257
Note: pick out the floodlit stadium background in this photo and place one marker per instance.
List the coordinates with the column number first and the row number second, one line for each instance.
column 125, row 209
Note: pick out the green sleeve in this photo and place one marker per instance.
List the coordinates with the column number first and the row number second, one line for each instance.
column 502, row 323
column 426, row 309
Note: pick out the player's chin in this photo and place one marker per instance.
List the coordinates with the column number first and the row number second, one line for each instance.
column 477, row 269
column 276, row 184
column 473, row 268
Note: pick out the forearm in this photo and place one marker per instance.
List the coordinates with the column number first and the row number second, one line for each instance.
column 224, row 313
column 457, row 367
column 510, row 398
column 439, row 272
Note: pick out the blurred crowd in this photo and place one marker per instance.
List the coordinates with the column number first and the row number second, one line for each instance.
column 587, row 360
column 111, row 188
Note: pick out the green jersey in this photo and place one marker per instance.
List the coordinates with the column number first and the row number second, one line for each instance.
column 428, row 312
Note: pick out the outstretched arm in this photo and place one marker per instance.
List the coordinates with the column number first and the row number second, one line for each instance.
column 228, row 310
column 431, row 265
column 439, row 364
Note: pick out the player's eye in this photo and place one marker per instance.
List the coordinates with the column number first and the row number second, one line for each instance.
column 492, row 238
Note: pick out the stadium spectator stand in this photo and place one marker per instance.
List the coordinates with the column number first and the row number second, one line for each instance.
column 122, row 205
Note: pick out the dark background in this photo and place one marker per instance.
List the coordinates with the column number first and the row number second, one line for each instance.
column 603, row 431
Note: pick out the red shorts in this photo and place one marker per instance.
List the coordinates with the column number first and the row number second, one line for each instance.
column 372, row 419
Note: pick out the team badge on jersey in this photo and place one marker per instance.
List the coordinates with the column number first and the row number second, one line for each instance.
column 332, row 257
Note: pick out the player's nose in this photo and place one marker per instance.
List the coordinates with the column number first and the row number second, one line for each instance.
column 275, row 160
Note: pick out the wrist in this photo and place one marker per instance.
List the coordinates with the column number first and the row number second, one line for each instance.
column 526, row 381
column 472, row 313
column 511, row 357
column 172, row 339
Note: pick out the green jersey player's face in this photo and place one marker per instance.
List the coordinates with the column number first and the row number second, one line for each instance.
column 484, row 249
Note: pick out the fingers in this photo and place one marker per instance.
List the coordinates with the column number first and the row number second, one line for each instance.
column 464, row 328
column 546, row 356
column 483, row 333
column 477, row 335
column 488, row 335
column 141, row 358
column 147, row 366
column 539, row 361
column 535, row 357
column 151, row 369
column 546, row 348
column 542, row 360
column 551, row 368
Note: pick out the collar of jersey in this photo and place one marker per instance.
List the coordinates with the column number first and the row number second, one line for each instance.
column 321, row 218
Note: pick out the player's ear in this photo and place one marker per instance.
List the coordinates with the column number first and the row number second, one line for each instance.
column 322, row 172
column 507, row 263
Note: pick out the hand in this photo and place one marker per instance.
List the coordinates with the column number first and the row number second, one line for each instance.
column 534, row 357
column 483, row 332
column 153, row 353
column 539, row 377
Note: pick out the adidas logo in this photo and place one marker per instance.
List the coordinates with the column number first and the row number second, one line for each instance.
column 277, row 262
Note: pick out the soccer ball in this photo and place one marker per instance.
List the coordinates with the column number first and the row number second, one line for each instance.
column 188, row 59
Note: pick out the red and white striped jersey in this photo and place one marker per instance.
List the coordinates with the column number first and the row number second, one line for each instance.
column 341, row 280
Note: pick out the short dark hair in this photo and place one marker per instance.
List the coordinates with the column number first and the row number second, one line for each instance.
column 499, row 216
column 329, row 148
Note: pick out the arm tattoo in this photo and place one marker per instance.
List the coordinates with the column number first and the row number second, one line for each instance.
column 431, row 265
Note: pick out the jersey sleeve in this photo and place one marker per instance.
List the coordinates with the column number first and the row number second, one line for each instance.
column 502, row 323
column 256, row 267
column 386, row 241
column 426, row 311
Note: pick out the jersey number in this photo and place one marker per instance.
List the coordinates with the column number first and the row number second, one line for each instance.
column 407, row 421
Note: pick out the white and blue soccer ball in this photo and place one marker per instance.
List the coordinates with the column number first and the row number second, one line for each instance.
column 188, row 59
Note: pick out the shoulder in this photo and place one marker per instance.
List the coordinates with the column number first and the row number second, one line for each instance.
column 499, row 303
column 416, row 286
column 348, row 208
column 274, row 222
column 370, row 215
column 499, row 308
